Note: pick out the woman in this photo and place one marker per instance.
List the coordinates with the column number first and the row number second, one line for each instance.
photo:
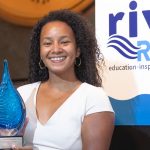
column 66, row 105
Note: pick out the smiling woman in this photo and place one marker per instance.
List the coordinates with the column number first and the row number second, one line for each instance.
column 58, row 48
column 66, row 105
column 24, row 12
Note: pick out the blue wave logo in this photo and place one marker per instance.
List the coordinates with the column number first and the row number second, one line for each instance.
column 135, row 111
column 123, row 46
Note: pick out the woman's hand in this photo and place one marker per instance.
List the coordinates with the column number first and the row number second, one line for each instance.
column 22, row 148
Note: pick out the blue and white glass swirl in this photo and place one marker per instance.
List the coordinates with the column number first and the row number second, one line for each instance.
column 12, row 107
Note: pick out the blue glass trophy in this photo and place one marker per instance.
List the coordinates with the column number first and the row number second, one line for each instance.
column 12, row 112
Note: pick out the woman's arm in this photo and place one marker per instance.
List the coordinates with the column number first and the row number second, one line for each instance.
column 97, row 130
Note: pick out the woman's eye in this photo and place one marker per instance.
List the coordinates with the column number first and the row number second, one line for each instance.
column 47, row 43
column 65, row 42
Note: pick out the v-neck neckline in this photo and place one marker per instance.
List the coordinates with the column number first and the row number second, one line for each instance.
column 59, row 108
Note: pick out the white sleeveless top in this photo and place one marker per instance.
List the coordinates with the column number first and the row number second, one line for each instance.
column 63, row 129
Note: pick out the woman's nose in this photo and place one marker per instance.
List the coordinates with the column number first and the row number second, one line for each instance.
column 56, row 47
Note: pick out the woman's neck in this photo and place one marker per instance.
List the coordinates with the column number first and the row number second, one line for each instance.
column 62, row 83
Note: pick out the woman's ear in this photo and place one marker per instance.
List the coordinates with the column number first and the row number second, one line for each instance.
column 78, row 52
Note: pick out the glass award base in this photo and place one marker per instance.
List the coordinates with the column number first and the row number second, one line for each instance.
column 6, row 142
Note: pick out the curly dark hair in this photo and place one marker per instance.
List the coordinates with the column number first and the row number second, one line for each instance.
column 90, row 54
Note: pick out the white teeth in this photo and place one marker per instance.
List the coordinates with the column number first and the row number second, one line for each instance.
column 57, row 58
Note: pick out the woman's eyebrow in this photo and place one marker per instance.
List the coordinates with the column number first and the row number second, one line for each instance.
column 46, row 38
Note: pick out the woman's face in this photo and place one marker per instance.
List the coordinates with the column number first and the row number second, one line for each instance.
column 58, row 48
